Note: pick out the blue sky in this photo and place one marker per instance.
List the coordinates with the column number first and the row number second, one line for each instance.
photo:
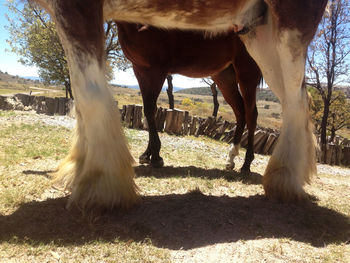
column 9, row 61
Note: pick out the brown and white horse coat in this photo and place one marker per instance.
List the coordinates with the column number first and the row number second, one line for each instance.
column 99, row 166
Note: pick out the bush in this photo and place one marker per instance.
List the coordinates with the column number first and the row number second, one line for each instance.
column 187, row 102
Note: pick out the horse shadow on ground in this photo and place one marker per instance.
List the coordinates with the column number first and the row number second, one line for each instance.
column 177, row 221
column 197, row 172
column 45, row 173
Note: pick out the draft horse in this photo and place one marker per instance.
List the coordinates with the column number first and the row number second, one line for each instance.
column 193, row 55
column 276, row 34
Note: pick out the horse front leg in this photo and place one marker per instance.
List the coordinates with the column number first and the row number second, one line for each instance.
column 98, row 169
column 151, row 82
column 282, row 60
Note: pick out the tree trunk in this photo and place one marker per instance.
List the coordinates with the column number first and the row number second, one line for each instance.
column 331, row 139
column 324, row 122
column 170, row 91
column 68, row 90
column 215, row 99
column 323, row 129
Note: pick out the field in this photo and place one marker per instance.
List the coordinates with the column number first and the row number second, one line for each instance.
column 11, row 88
column 192, row 210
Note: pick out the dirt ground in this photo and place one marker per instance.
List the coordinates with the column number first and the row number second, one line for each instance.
column 233, row 222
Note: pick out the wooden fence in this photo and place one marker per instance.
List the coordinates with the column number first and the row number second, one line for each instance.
column 180, row 123
column 41, row 104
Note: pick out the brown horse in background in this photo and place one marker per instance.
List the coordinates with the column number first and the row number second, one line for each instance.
column 155, row 53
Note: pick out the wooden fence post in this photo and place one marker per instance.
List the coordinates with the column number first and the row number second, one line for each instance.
column 346, row 156
column 193, row 126
column 168, row 121
column 160, row 118
column 187, row 122
column 129, row 114
column 260, row 138
column 269, row 142
column 137, row 117
column 178, row 120
column 221, row 130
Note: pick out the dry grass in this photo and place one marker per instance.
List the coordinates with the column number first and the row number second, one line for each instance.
column 191, row 211
column 18, row 141
column 7, row 88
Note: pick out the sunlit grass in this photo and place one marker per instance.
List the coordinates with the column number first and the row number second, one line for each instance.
column 33, row 141
column 30, row 153
column 95, row 251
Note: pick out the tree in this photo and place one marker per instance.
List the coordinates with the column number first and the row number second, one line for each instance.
column 339, row 114
column 327, row 63
column 169, row 91
column 34, row 38
column 214, row 92
column 114, row 53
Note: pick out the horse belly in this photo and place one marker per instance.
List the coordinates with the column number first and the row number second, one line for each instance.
column 213, row 15
column 201, row 70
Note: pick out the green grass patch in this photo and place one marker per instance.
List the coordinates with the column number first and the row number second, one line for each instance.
column 32, row 141
column 7, row 113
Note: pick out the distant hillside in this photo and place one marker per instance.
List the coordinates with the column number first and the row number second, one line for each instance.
column 4, row 76
column 266, row 94
column 197, row 91
column 176, row 89
column 262, row 94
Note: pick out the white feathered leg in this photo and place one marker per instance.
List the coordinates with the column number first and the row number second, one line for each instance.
column 281, row 56
column 98, row 169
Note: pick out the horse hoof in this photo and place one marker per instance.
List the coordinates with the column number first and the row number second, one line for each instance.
column 144, row 160
column 230, row 166
column 158, row 163
column 245, row 169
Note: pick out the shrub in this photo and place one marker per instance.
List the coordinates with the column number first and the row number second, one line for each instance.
column 187, row 102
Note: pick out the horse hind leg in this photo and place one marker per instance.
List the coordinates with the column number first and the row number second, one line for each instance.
column 282, row 60
column 249, row 76
column 98, row 169
column 151, row 82
column 227, row 83
column 251, row 114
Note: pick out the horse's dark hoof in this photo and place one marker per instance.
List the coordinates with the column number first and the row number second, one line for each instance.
column 144, row 159
column 157, row 163
column 230, row 166
column 245, row 169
